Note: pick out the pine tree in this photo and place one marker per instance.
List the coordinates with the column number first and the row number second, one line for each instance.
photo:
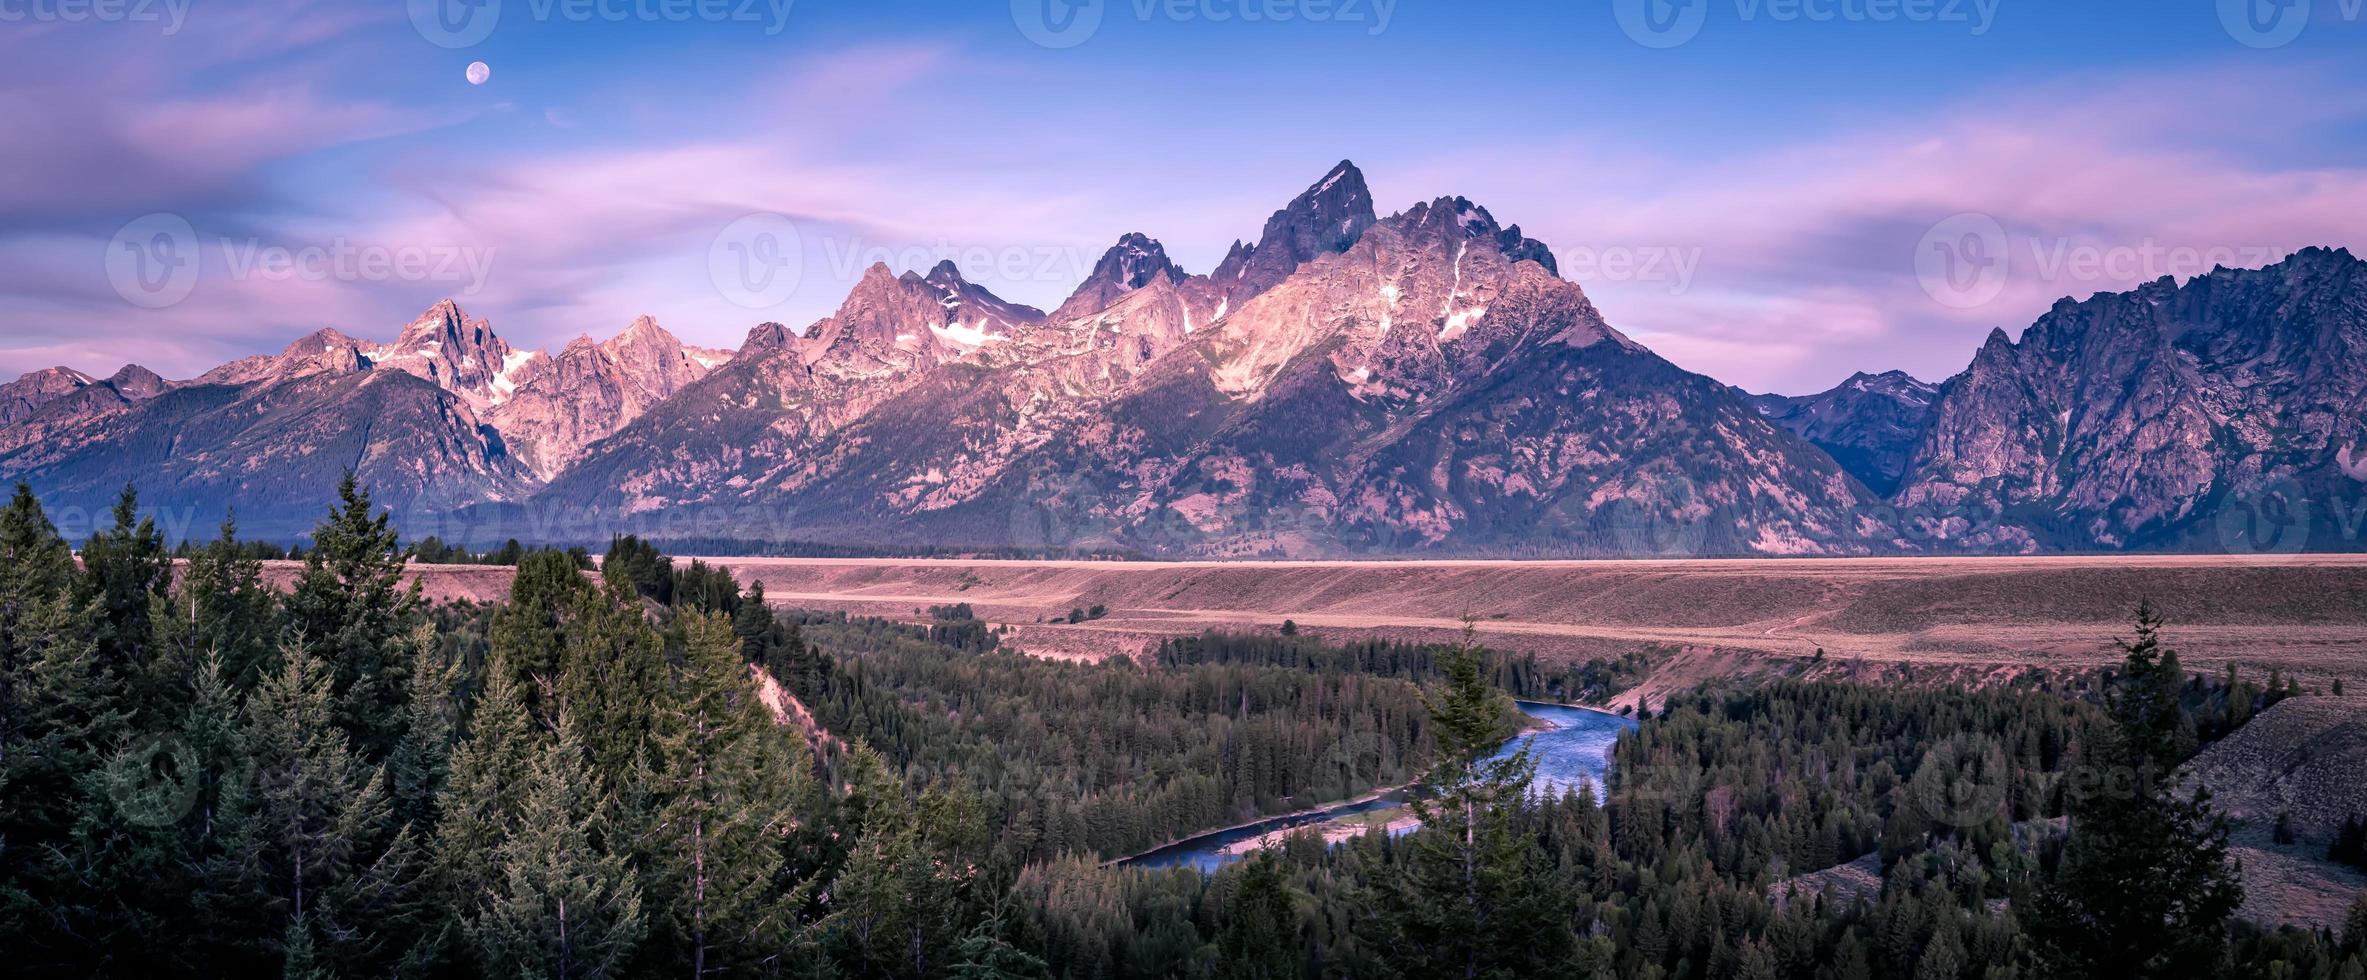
column 987, row 954
column 351, row 610
column 2350, row 843
column 484, row 792
column 1943, row 957
column 326, row 858
column 2144, row 888
column 1472, row 897
column 612, row 679
column 731, row 779
column 423, row 758
column 222, row 609
column 216, row 830
column 126, row 574
column 566, row 905
column 899, row 900
column 61, row 717
column 531, row 630
column 1261, row 936
column 2354, row 924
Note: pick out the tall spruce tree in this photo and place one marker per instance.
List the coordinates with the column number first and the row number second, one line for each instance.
column 1261, row 935
column 326, row 860
column 987, row 953
column 531, row 630
column 613, row 682
column 351, row 610
column 730, row 778
column 483, row 794
column 127, row 574
column 423, row 757
column 2144, row 888
column 566, row 904
column 902, row 900
column 61, row 717
column 216, row 829
column 222, row 609
column 1471, row 898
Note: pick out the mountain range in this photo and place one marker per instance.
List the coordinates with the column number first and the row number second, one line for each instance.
column 1423, row 383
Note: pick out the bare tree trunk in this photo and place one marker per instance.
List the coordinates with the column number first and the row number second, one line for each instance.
column 566, row 954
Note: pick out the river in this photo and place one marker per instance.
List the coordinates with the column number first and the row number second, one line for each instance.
column 1577, row 748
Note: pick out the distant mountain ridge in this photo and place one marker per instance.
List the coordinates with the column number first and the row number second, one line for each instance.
column 1870, row 423
column 1422, row 383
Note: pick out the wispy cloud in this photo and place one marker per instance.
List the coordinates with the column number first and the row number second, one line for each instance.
column 1808, row 250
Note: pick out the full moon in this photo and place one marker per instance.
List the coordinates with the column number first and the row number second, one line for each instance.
column 478, row 72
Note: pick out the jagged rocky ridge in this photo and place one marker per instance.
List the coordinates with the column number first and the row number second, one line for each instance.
column 2225, row 414
column 1420, row 383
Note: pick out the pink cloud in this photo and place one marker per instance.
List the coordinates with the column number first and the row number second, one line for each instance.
column 1810, row 247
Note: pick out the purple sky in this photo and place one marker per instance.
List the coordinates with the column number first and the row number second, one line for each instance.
column 1766, row 203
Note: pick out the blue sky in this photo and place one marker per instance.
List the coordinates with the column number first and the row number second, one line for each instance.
column 1761, row 202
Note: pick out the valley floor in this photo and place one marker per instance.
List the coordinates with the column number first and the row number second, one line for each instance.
column 2303, row 614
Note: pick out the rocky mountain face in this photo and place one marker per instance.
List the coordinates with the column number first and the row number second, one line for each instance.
column 2223, row 414
column 1871, row 423
column 1325, row 219
column 549, row 409
column 27, row 396
column 445, row 417
column 460, row 354
column 1134, row 262
column 46, row 401
column 272, row 450
column 1417, row 384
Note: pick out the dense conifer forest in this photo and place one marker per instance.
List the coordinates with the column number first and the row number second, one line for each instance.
column 200, row 776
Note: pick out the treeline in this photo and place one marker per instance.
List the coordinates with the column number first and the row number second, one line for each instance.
column 740, row 547
column 1103, row 759
column 432, row 550
column 1522, row 675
